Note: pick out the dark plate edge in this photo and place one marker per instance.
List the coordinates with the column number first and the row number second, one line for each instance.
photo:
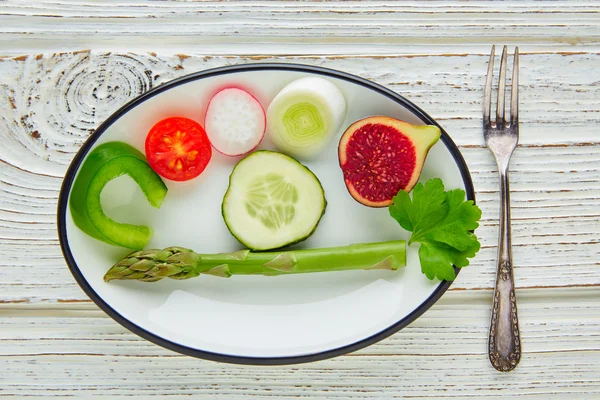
column 77, row 160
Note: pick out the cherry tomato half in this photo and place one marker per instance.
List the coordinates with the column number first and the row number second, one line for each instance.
column 178, row 149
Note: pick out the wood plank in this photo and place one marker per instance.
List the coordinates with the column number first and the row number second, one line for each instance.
column 57, row 100
column 289, row 27
column 76, row 350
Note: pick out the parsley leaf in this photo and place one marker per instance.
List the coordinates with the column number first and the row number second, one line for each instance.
column 442, row 222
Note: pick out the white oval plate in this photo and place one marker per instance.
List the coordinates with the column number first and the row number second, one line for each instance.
column 254, row 319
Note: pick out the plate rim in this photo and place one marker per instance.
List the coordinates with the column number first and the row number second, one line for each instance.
column 229, row 358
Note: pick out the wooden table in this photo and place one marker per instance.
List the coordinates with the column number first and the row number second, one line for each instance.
column 68, row 64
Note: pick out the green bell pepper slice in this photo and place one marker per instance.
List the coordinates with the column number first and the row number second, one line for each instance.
column 103, row 164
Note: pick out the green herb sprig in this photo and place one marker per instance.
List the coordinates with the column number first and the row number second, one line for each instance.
column 442, row 222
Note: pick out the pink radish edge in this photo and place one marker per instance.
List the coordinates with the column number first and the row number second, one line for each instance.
column 255, row 99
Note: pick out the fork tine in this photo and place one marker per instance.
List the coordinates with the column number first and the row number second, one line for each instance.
column 487, row 93
column 514, row 91
column 501, row 87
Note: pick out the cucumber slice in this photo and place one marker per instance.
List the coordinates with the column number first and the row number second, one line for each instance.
column 272, row 201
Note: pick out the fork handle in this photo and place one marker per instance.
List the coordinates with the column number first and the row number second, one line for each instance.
column 504, row 347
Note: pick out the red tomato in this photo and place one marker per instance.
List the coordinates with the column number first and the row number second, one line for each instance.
column 178, row 149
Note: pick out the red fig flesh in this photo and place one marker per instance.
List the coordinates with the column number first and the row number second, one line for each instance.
column 380, row 156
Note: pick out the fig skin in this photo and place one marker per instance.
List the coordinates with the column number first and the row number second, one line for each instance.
column 422, row 138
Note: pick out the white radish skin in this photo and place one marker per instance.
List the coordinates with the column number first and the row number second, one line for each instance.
column 305, row 116
column 235, row 122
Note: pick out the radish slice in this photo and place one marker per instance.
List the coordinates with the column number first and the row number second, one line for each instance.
column 305, row 115
column 235, row 122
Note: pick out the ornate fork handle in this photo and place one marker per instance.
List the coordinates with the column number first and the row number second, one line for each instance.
column 505, row 340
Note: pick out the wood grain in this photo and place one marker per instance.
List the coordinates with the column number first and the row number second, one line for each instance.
column 291, row 27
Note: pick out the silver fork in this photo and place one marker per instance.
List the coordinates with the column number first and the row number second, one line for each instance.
column 501, row 138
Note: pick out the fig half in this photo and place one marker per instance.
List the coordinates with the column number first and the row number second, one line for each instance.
column 380, row 156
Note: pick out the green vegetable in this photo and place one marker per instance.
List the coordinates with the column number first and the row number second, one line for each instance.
column 103, row 164
column 272, row 201
column 305, row 115
column 180, row 263
column 442, row 222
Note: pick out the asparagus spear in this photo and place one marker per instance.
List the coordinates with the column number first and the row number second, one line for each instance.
column 180, row 263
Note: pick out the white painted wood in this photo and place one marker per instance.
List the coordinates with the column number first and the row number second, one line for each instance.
column 291, row 27
column 55, row 342
column 441, row 354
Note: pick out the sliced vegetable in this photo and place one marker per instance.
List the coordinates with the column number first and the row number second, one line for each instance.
column 103, row 164
column 179, row 263
column 305, row 115
column 442, row 222
column 235, row 122
column 272, row 201
column 178, row 148
column 380, row 156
